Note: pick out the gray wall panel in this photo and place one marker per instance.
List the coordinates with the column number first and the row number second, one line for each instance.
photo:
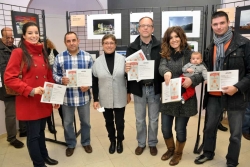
column 135, row 4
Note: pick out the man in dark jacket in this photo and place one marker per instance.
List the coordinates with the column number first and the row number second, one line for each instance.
column 146, row 92
column 6, row 47
column 228, row 51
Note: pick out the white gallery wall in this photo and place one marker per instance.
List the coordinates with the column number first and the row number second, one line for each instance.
column 2, row 114
column 55, row 18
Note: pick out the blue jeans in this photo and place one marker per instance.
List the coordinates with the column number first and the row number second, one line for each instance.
column 180, row 127
column 68, row 119
column 246, row 122
column 214, row 112
column 36, row 141
column 153, row 101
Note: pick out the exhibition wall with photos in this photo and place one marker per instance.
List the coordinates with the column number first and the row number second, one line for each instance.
column 123, row 23
column 238, row 13
column 16, row 16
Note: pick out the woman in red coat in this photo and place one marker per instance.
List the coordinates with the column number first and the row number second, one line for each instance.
column 35, row 72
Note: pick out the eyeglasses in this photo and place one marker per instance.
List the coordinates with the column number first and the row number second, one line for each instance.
column 108, row 43
column 145, row 25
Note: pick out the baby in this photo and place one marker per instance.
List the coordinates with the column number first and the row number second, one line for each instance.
column 194, row 67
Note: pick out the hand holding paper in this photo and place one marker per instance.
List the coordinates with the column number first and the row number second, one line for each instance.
column 65, row 80
column 56, row 106
column 230, row 90
column 101, row 109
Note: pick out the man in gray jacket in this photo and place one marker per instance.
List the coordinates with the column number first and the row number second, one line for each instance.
column 6, row 47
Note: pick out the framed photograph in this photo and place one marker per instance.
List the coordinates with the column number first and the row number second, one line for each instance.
column 134, row 22
column 101, row 24
column 94, row 54
column 188, row 20
column 122, row 50
column 230, row 12
column 193, row 45
column 242, row 20
column 19, row 19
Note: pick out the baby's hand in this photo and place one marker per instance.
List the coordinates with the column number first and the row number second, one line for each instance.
column 190, row 70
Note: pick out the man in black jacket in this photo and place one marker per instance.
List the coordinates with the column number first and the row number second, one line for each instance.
column 146, row 92
column 6, row 47
column 228, row 51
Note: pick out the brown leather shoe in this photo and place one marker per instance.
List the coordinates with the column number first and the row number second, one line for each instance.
column 139, row 150
column 88, row 148
column 69, row 151
column 246, row 136
column 153, row 150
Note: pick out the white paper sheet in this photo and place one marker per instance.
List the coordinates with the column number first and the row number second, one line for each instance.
column 172, row 91
column 216, row 80
column 79, row 77
column 146, row 69
column 54, row 93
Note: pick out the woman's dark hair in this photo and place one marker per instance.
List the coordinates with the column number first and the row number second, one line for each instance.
column 166, row 48
column 26, row 55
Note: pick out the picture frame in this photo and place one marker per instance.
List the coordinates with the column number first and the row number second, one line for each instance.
column 188, row 20
column 100, row 24
column 134, row 22
column 242, row 20
column 94, row 54
column 230, row 12
column 193, row 45
column 19, row 19
column 122, row 50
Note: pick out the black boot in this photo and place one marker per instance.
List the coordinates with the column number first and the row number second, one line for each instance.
column 50, row 126
column 119, row 147
column 50, row 161
column 52, row 129
column 112, row 147
column 222, row 128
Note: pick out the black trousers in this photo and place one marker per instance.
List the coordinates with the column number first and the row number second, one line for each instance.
column 49, row 119
column 118, row 114
column 36, row 141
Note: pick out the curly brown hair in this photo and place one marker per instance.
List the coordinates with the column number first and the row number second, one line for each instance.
column 166, row 49
column 50, row 44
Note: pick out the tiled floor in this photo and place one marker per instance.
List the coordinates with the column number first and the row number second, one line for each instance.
column 11, row 157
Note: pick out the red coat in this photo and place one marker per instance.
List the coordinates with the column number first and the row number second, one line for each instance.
column 28, row 107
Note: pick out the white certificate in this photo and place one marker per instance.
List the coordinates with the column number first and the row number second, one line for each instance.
column 133, row 72
column 79, row 77
column 141, row 70
column 146, row 69
column 216, row 80
column 84, row 77
column 137, row 56
column 53, row 93
column 172, row 91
